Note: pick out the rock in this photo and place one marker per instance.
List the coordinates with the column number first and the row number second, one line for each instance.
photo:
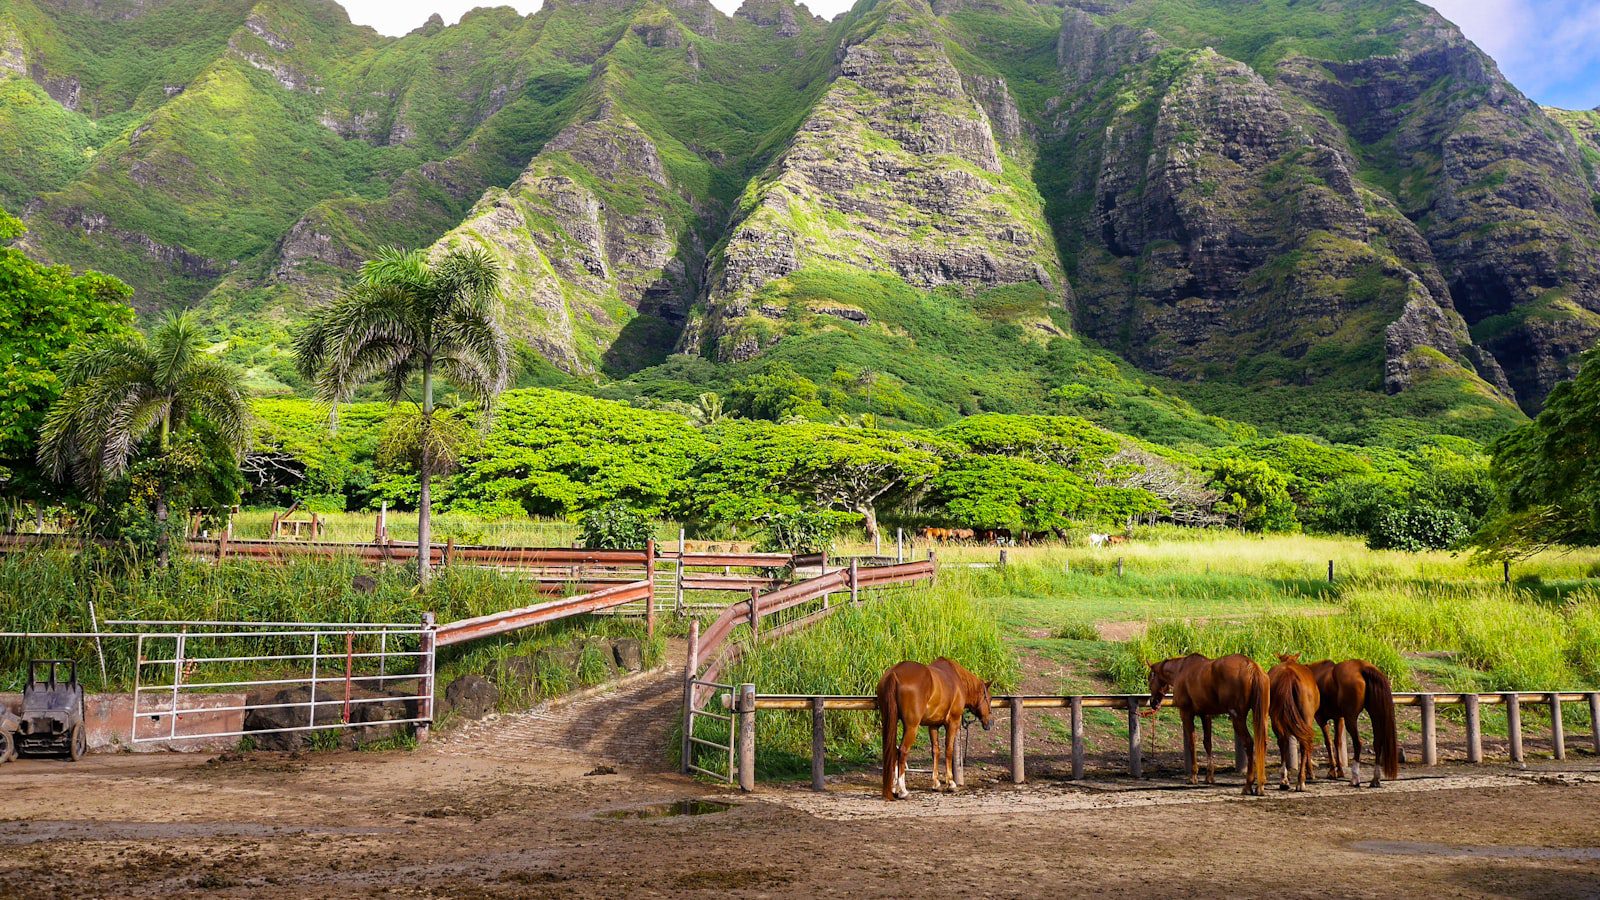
column 364, row 584
column 472, row 696
column 516, row 670
column 628, row 654
column 371, row 716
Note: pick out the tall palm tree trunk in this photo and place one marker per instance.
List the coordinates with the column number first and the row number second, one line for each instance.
column 424, row 482
column 163, row 542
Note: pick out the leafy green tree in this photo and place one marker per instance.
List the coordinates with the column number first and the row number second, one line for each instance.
column 756, row 469
column 615, row 526
column 1352, row 504
column 409, row 318
column 1011, row 492
column 1417, row 527
column 552, row 453
column 45, row 311
column 778, row 393
column 126, row 391
column 1255, row 496
column 1548, row 473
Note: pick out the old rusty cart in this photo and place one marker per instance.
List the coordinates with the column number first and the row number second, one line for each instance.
column 52, row 711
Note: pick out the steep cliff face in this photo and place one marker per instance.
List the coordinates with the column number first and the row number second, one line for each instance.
column 1341, row 194
column 591, row 234
column 1226, row 231
column 1500, row 191
column 897, row 169
column 1358, row 212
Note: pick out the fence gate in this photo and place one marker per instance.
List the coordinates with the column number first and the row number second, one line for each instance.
column 237, row 679
column 721, row 724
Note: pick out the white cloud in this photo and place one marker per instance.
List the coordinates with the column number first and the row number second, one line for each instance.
column 1542, row 45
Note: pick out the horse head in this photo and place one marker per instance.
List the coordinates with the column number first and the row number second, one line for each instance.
column 983, row 708
column 1288, row 657
column 1159, row 683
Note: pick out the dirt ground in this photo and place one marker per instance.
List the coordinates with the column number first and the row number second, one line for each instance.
column 488, row 812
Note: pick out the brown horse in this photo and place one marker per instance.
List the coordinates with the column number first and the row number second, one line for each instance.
column 1347, row 688
column 936, row 696
column 1294, row 707
column 1232, row 686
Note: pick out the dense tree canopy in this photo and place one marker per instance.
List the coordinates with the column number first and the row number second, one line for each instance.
column 44, row 312
column 1548, row 472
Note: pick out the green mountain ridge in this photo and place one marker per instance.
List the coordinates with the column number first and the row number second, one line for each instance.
column 966, row 200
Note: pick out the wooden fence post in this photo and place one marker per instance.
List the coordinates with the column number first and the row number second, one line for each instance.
column 1018, row 775
column 650, row 592
column 1430, row 731
column 1077, row 738
column 1514, row 725
column 449, row 550
column 1135, row 740
column 1505, row 572
column 818, row 735
column 1330, row 571
column 1119, row 567
column 855, row 586
column 755, row 614
column 1002, row 557
column 1594, row 719
column 690, row 669
column 1474, row 729
column 1240, row 752
column 899, row 545
column 678, row 578
column 1558, row 733
column 747, row 737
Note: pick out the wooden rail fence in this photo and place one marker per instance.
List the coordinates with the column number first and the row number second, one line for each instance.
column 710, row 651
column 745, row 703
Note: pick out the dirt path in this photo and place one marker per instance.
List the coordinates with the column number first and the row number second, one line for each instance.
column 628, row 723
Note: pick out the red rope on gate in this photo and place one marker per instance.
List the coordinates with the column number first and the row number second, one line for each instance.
column 349, row 660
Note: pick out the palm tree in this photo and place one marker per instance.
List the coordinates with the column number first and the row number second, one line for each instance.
column 707, row 410
column 118, row 394
column 407, row 318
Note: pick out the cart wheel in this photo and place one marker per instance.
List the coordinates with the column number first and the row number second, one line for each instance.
column 78, row 743
column 8, row 747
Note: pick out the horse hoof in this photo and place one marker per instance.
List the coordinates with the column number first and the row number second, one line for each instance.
column 1283, row 787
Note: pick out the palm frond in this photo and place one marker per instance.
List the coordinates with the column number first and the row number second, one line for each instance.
column 175, row 345
column 215, row 390
column 395, row 267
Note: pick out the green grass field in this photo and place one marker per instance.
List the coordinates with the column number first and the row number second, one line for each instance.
column 1063, row 620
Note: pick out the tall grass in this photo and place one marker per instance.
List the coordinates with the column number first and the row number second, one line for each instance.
column 1493, row 638
column 52, row 591
column 847, row 653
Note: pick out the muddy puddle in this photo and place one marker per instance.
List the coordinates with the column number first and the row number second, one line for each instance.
column 667, row 810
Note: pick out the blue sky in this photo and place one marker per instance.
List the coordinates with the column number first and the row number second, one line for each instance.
column 1549, row 48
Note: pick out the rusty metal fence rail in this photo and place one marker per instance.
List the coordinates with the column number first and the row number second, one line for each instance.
column 749, row 703
column 711, row 651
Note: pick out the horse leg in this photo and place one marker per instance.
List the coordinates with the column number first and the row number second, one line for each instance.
column 1333, row 755
column 1241, row 737
column 1211, row 761
column 906, row 744
column 1307, row 772
column 950, row 753
column 1353, row 722
column 933, row 745
column 1190, row 764
column 1283, row 754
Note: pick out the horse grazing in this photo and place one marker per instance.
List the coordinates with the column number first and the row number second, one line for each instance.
column 1232, row 686
column 1347, row 688
column 913, row 694
column 1294, row 707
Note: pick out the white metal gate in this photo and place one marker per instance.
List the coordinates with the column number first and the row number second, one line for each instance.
column 205, row 679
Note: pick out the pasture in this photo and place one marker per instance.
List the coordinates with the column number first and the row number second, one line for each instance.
column 580, row 796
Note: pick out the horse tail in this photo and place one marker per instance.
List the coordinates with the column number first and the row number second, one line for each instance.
column 1380, row 708
column 1293, row 713
column 1261, row 700
column 889, row 712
